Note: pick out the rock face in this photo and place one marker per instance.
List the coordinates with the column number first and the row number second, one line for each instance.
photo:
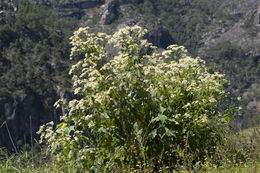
column 81, row 4
column 257, row 19
column 22, row 118
column 77, row 8
column 110, row 12
column 238, row 6
column 237, row 33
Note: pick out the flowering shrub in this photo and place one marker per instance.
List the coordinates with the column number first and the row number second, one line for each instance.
column 137, row 108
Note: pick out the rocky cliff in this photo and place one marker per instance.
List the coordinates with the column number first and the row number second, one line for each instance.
column 244, row 31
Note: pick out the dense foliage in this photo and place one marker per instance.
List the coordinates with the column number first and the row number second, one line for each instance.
column 237, row 152
column 34, row 46
column 243, row 71
column 33, row 61
column 137, row 108
column 189, row 21
column 34, row 64
column 33, row 50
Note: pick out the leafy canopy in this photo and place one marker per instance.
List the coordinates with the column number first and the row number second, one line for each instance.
column 137, row 107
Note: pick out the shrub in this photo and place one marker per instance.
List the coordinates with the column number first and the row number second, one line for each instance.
column 236, row 152
column 137, row 108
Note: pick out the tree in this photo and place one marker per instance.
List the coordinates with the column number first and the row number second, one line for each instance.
column 137, row 108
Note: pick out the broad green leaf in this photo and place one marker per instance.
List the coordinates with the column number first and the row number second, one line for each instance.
column 168, row 132
column 153, row 134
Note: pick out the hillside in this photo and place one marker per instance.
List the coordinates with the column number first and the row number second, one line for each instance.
column 34, row 50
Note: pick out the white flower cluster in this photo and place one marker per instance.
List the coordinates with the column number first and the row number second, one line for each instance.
column 106, row 83
column 172, row 69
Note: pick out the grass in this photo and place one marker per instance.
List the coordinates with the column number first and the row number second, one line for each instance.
column 250, row 167
column 239, row 153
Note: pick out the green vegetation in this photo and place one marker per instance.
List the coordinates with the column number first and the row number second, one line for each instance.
column 249, row 24
column 241, row 70
column 141, row 110
column 34, row 47
column 126, row 119
column 238, row 152
column 185, row 20
column 34, row 64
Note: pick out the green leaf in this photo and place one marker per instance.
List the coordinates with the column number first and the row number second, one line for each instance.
column 67, row 130
column 153, row 134
column 227, row 117
column 102, row 130
column 105, row 115
column 168, row 132
column 178, row 90
column 155, row 93
column 160, row 118
column 60, row 125
column 162, row 109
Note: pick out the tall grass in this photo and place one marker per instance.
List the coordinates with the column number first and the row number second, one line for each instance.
column 238, row 153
